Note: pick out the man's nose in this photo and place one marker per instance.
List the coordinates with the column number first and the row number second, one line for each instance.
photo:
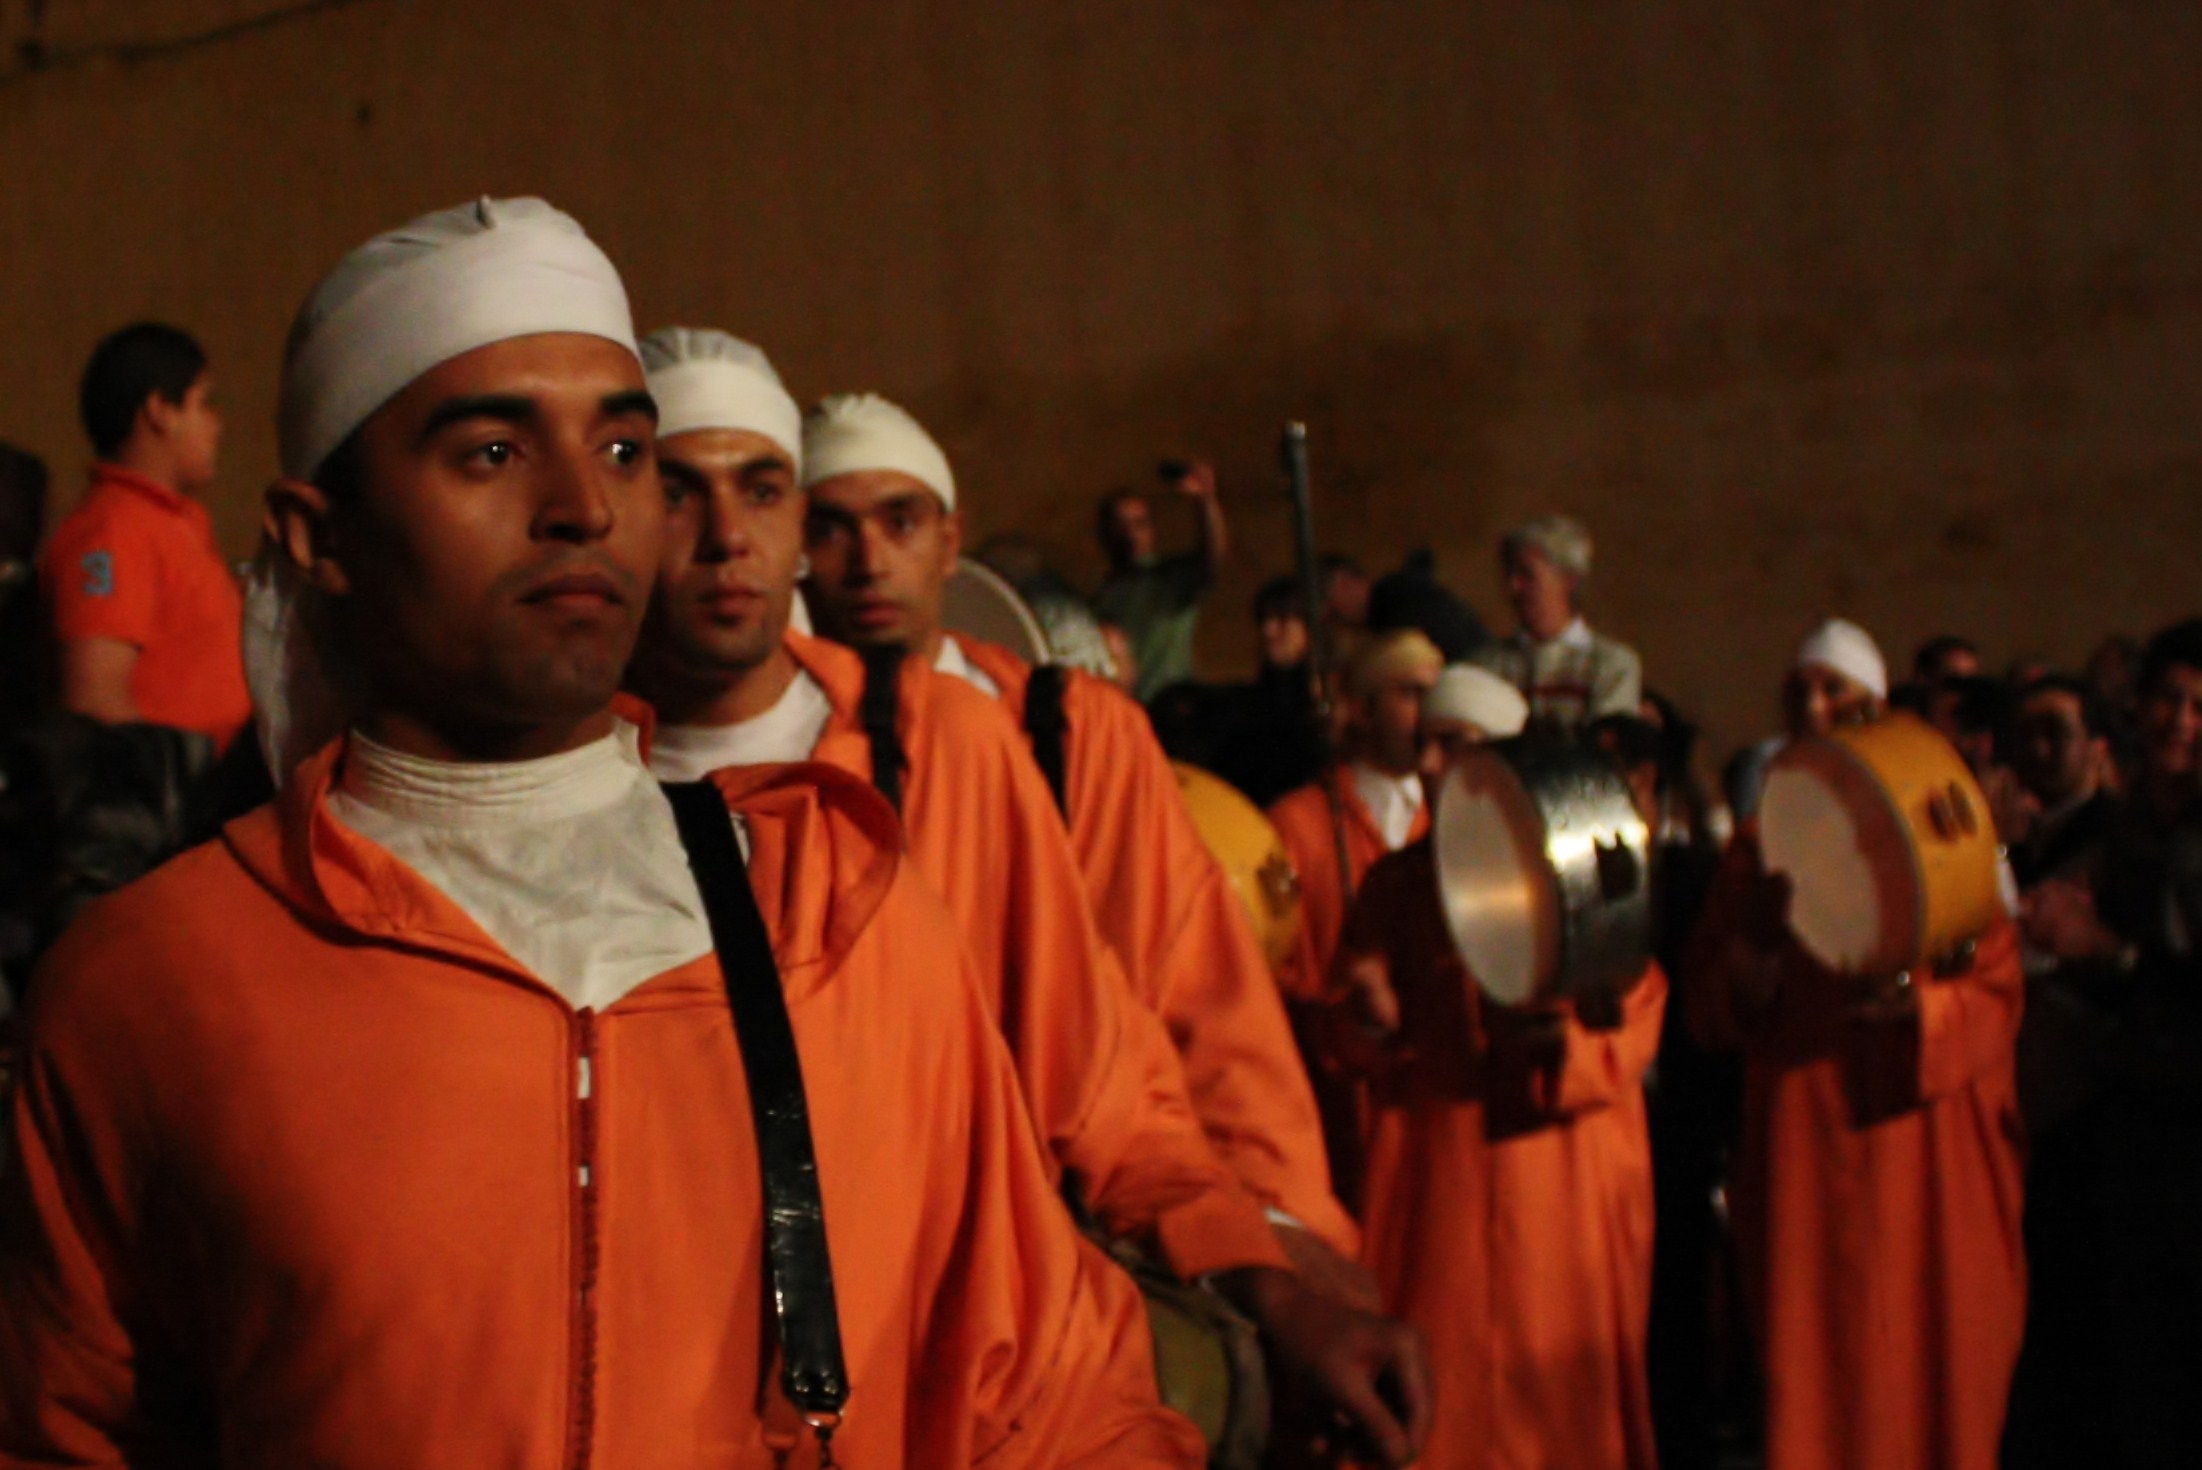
column 575, row 505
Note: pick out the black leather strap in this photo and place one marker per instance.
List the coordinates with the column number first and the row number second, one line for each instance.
column 876, row 712
column 1049, row 730
column 811, row 1367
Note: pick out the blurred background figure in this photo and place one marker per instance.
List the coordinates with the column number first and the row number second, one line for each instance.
column 1154, row 598
column 1569, row 674
column 1945, row 657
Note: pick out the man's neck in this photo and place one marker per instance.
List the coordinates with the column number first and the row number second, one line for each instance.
column 411, row 735
column 147, row 463
column 1546, row 632
column 750, row 693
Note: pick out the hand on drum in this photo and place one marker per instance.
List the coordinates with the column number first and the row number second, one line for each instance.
column 1884, row 999
column 1537, row 1034
column 1369, row 994
column 1759, row 943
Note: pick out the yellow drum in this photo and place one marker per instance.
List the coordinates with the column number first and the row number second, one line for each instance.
column 1889, row 842
column 1252, row 854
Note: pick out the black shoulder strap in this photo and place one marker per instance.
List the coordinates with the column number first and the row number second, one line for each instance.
column 801, row 1269
column 876, row 712
column 1048, row 729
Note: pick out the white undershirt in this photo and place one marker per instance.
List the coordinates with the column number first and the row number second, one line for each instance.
column 789, row 731
column 1392, row 800
column 571, row 862
column 950, row 660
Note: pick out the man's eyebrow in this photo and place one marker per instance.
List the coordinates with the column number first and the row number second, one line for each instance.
column 511, row 408
column 632, row 401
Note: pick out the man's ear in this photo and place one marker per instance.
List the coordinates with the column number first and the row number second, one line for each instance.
column 298, row 519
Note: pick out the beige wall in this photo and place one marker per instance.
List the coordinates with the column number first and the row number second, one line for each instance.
column 1887, row 307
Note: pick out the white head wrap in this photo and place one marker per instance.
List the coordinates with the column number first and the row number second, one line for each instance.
column 401, row 304
column 853, row 432
column 707, row 379
column 1850, row 651
column 1477, row 697
column 426, row 292
column 1564, row 541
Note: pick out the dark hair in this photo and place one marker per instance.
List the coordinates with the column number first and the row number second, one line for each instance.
column 342, row 475
column 1981, row 705
column 2178, row 646
column 2094, row 714
column 1934, row 650
column 1104, row 517
column 126, row 369
column 1279, row 597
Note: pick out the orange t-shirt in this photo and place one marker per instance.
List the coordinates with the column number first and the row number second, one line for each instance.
column 137, row 561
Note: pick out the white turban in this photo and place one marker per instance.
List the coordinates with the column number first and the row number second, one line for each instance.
column 1477, row 697
column 426, row 292
column 1850, row 651
column 1564, row 541
column 707, row 379
column 850, row 433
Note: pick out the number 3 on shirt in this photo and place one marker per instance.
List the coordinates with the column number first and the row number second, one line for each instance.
column 99, row 574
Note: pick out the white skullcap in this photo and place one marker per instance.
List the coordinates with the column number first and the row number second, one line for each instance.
column 1564, row 541
column 1850, row 651
column 1477, row 697
column 707, row 379
column 850, row 433
column 426, row 292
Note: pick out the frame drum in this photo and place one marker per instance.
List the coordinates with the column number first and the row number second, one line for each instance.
column 1889, row 843
column 978, row 603
column 1251, row 853
column 1543, row 871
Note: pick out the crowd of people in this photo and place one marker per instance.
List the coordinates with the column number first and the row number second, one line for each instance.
column 574, row 956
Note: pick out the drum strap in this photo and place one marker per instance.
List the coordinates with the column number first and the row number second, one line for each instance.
column 800, row 1268
column 876, row 711
column 1048, row 729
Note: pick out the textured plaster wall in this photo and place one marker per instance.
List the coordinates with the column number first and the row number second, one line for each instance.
column 1886, row 307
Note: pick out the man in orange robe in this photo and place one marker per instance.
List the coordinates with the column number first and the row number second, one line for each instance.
column 731, row 685
column 1163, row 903
column 1877, row 1192
column 1508, row 1205
column 405, row 1125
column 1374, row 798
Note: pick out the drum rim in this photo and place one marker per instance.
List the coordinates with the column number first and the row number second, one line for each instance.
column 1551, row 926
column 1847, row 752
column 1020, row 610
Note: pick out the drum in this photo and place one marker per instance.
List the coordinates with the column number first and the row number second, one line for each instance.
column 1889, row 843
column 1252, row 855
column 1543, row 871
column 978, row 603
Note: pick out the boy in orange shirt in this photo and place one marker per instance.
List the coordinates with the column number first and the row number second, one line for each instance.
column 148, row 615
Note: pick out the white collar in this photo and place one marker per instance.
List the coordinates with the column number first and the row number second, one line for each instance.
column 1576, row 634
column 492, row 795
column 789, row 731
column 951, row 660
column 1392, row 801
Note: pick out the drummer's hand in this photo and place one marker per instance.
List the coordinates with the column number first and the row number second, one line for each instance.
column 1372, row 1371
column 1885, row 999
column 1538, row 1034
column 2059, row 918
column 1757, row 945
column 1369, row 994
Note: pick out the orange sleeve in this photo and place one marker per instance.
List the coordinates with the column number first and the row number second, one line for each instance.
column 1600, row 1067
column 1308, row 844
column 102, row 576
column 1050, row 1337
column 1167, row 908
column 68, row 1385
column 1970, row 1022
column 1099, row 1070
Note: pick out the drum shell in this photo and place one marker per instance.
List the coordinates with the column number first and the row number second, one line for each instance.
column 978, row 603
column 1583, row 852
column 1929, row 831
column 1251, row 854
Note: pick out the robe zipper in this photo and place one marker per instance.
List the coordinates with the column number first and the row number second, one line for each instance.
column 585, row 1238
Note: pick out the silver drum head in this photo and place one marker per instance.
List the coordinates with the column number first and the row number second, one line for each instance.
column 979, row 604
